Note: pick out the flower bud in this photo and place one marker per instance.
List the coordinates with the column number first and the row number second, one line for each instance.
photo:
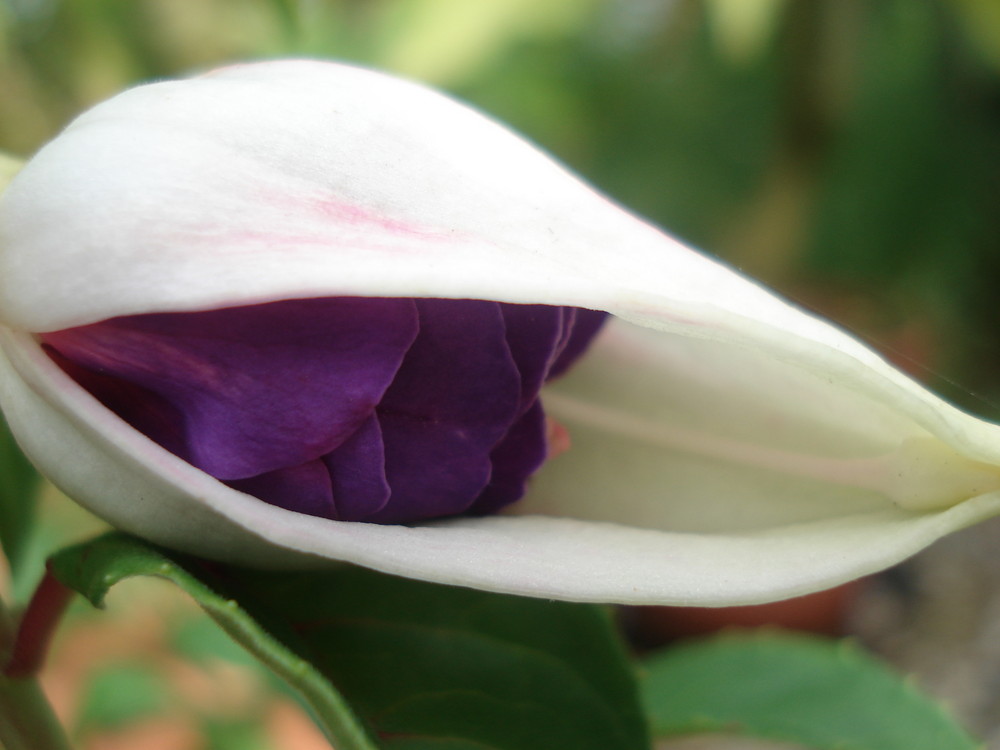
column 193, row 260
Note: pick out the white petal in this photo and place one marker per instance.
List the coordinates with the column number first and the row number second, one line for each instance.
column 298, row 179
column 728, row 448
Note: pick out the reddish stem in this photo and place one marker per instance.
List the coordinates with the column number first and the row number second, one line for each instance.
column 37, row 626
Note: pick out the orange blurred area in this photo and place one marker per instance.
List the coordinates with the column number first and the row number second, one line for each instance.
column 823, row 613
column 195, row 694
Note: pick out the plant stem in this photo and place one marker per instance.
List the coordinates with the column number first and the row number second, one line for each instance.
column 26, row 719
column 36, row 627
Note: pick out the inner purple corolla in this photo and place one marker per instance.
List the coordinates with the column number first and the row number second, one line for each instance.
column 350, row 408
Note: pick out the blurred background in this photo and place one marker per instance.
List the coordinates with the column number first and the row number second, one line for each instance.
column 847, row 152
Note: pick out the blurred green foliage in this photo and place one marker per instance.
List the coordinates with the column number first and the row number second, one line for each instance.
column 846, row 151
column 120, row 694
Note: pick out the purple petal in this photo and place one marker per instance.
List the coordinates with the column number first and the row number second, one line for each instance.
column 454, row 398
column 357, row 472
column 519, row 455
column 534, row 333
column 304, row 488
column 146, row 411
column 383, row 410
column 261, row 387
column 585, row 326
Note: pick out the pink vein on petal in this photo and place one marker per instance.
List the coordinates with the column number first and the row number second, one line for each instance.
column 359, row 228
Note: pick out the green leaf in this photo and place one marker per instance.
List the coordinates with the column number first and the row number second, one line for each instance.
column 19, row 483
column 427, row 667
column 92, row 568
column 821, row 694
